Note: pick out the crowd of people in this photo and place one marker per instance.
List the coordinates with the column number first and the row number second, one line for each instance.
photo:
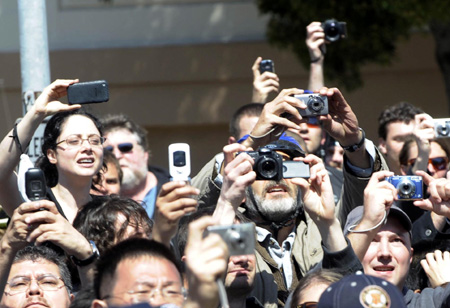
column 115, row 231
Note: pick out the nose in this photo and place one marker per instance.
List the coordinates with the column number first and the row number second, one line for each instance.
column 384, row 251
column 303, row 128
column 242, row 259
column 85, row 144
column 33, row 288
column 431, row 169
column 156, row 298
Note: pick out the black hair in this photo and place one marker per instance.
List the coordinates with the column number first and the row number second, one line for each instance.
column 36, row 253
column 250, row 110
column 97, row 219
column 129, row 249
column 51, row 133
column 401, row 112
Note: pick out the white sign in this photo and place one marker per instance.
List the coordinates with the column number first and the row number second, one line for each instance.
column 35, row 148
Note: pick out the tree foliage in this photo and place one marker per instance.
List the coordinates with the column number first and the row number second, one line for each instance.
column 374, row 30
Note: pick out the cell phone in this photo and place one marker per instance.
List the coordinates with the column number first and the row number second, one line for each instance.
column 266, row 66
column 179, row 162
column 240, row 238
column 35, row 184
column 90, row 92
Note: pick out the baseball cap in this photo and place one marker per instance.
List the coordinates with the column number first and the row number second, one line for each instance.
column 288, row 145
column 355, row 216
column 359, row 290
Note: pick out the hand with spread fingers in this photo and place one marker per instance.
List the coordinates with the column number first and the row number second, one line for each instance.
column 437, row 267
column 439, row 190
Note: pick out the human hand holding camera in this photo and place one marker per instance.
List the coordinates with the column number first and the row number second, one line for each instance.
column 439, row 190
column 264, row 81
column 315, row 39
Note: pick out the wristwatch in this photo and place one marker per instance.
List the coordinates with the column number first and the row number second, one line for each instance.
column 95, row 255
column 354, row 147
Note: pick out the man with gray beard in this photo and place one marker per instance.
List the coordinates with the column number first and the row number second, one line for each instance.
column 128, row 142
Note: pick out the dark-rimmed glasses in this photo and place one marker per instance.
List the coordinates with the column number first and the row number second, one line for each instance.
column 123, row 147
column 308, row 305
column 438, row 163
column 146, row 292
column 22, row 283
column 74, row 141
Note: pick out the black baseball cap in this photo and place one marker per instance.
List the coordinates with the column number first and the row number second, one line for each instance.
column 288, row 145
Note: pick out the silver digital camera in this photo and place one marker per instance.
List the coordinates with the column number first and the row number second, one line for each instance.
column 240, row 238
column 316, row 105
column 442, row 128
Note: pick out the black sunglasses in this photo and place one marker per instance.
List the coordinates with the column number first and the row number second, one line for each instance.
column 123, row 147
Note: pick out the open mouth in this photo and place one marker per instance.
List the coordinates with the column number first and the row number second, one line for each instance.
column 86, row 161
column 276, row 189
column 384, row 268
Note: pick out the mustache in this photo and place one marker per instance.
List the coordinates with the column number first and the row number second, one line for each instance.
column 282, row 183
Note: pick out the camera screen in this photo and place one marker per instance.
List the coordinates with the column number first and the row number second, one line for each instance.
column 179, row 158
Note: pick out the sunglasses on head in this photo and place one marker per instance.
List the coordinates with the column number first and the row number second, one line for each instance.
column 123, row 147
column 438, row 163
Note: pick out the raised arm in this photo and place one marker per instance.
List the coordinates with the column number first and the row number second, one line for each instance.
column 263, row 84
column 46, row 104
column 315, row 41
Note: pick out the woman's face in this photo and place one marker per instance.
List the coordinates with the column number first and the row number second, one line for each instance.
column 437, row 170
column 83, row 160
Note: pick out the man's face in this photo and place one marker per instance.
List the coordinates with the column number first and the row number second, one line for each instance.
column 312, row 134
column 110, row 182
column 396, row 133
column 389, row 254
column 276, row 200
column 34, row 295
column 240, row 274
column 335, row 156
column 145, row 279
column 132, row 162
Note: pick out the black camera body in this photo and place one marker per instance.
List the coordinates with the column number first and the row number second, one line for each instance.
column 334, row 30
column 316, row 105
column 408, row 187
column 442, row 128
column 240, row 238
column 266, row 66
column 269, row 165
column 35, row 184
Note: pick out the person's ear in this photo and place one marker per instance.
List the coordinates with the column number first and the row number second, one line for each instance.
column 231, row 140
column 51, row 155
column 382, row 145
column 98, row 303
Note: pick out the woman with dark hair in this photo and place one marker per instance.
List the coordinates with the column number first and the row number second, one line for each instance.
column 72, row 150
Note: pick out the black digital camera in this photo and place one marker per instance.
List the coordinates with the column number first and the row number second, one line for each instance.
column 334, row 30
column 316, row 105
column 408, row 187
column 266, row 66
column 269, row 165
column 35, row 184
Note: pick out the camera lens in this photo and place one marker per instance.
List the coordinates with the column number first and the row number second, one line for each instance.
column 332, row 30
column 443, row 129
column 267, row 167
column 315, row 104
column 406, row 189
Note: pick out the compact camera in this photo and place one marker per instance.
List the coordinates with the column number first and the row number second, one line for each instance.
column 442, row 128
column 179, row 162
column 334, row 30
column 316, row 105
column 35, row 184
column 240, row 238
column 269, row 165
column 89, row 92
column 266, row 66
column 408, row 187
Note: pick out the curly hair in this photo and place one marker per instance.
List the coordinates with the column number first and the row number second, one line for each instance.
column 401, row 112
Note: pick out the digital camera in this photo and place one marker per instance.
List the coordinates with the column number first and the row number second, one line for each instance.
column 240, row 238
column 316, row 105
column 269, row 165
column 179, row 162
column 334, row 30
column 442, row 128
column 266, row 66
column 408, row 187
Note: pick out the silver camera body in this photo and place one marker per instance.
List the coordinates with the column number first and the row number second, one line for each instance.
column 316, row 105
column 179, row 162
column 442, row 128
column 240, row 238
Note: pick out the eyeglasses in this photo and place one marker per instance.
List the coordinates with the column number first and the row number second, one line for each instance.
column 123, row 147
column 313, row 122
column 74, row 141
column 439, row 163
column 308, row 305
column 146, row 293
column 45, row 282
